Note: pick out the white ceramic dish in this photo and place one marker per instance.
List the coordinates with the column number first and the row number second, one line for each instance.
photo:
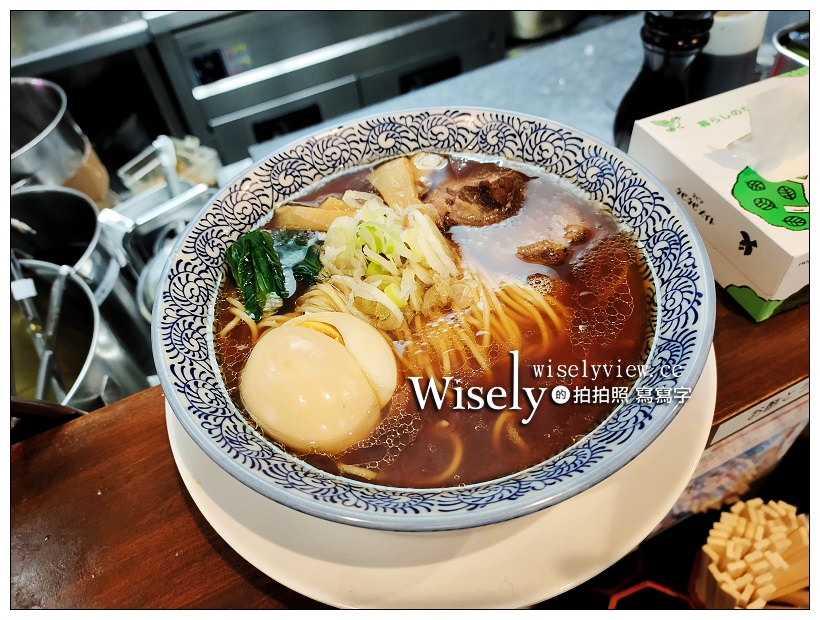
column 506, row 565
column 183, row 341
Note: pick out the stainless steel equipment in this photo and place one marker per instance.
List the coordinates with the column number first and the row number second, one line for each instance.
column 83, row 365
column 60, row 226
column 144, row 228
column 245, row 77
column 139, row 226
column 47, row 146
column 83, row 282
column 792, row 46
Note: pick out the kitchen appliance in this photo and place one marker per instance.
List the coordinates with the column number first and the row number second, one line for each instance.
column 242, row 78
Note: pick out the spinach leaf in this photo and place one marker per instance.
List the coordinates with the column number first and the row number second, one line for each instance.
column 256, row 268
column 307, row 270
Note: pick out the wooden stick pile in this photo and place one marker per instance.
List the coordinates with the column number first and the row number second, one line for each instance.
column 756, row 556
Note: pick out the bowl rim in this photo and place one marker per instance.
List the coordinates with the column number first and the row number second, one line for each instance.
column 456, row 518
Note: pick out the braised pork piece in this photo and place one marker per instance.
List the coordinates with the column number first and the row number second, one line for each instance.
column 485, row 197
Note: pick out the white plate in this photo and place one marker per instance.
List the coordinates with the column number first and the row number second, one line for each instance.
column 507, row 565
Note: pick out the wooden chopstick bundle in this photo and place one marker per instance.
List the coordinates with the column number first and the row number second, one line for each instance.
column 756, row 556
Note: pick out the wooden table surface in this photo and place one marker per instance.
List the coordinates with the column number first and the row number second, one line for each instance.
column 100, row 517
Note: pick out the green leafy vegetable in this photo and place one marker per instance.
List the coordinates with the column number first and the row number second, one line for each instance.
column 256, row 268
column 307, row 270
column 291, row 239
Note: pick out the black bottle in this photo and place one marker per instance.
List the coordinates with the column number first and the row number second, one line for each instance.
column 671, row 41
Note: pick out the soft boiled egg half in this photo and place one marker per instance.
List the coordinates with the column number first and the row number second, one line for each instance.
column 319, row 381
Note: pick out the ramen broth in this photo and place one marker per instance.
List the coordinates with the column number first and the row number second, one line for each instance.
column 604, row 290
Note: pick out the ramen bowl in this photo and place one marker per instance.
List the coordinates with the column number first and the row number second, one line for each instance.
column 683, row 308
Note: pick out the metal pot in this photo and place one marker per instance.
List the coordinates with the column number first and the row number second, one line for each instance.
column 61, row 226
column 786, row 42
column 91, row 367
column 47, row 146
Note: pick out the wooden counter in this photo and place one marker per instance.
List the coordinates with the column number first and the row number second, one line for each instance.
column 101, row 519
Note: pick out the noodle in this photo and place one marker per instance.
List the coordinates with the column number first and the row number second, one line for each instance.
column 455, row 462
column 238, row 310
column 456, row 340
column 234, row 322
column 515, row 436
column 510, row 327
column 512, row 434
column 435, row 348
column 484, row 324
column 257, row 328
column 498, row 426
column 321, row 297
column 473, row 346
column 547, row 302
column 276, row 320
column 517, row 302
column 236, row 303
column 355, row 470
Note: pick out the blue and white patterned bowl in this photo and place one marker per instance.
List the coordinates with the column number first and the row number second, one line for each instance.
column 183, row 314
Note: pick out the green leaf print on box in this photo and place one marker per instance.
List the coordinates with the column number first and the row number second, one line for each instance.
column 780, row 203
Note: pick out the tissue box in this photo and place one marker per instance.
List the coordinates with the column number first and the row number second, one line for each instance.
column 738, row 162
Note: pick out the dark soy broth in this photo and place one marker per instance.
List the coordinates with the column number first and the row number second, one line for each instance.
column 604, row 290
